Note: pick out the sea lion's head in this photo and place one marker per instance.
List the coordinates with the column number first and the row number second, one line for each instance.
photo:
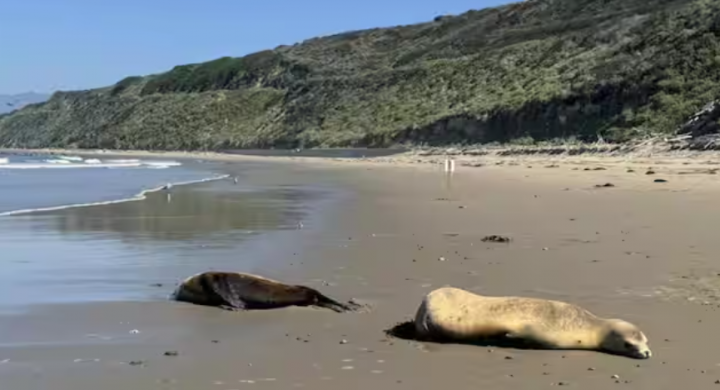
column 624, row 338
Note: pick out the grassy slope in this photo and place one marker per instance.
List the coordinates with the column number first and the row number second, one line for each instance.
column 538, row 70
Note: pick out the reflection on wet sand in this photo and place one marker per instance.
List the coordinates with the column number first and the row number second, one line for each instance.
column 189, row 212
column 122, row 251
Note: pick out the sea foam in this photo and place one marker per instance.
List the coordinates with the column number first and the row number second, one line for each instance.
column 68, row 162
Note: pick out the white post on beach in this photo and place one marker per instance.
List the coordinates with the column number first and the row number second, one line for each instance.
column 449, row 165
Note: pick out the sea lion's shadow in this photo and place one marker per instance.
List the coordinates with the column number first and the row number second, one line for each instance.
column 406, row 331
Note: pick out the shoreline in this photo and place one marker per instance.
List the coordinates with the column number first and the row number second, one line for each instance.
column 212, row 176
column 139, row 196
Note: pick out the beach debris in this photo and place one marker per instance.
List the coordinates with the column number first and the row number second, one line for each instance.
column 134, row 331
column 630, row 170
column 660, row 181
column 496, row 238
column 650, row 172
column 441, row 258
column 343, row 341
column 615, row 376
column 156, row 285
column 546, row 249
column 171, row 353
column 606, row 185
column 136, row 362
column 348, row 368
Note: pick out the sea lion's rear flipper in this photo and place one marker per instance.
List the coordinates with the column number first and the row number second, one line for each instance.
column 328, row 303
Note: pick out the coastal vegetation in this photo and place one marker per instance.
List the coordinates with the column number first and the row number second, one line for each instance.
column 531, row 71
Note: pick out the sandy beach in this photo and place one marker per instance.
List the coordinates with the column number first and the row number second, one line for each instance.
column 640, row 250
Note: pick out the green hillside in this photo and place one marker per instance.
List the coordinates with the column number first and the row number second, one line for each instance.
column 534, row 70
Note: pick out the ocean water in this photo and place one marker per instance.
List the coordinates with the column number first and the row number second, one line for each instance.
column 29, row 183
column 74, row 230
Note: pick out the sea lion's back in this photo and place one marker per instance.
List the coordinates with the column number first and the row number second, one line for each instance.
column 448, row 311
column 461, row 312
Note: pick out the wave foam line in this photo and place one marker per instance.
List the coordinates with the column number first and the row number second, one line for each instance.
column 51, row 165
column 89, row 163
column 140, row 196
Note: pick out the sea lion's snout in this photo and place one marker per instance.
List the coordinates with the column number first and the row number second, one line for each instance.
column 645, row 354
column 641, row 352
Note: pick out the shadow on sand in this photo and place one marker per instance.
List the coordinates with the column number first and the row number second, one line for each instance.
column 406, row 331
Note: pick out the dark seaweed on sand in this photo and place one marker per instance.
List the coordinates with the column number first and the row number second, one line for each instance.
column 496, row 238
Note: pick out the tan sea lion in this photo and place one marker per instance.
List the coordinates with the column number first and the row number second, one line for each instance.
column 242, row 291
column 456, row 315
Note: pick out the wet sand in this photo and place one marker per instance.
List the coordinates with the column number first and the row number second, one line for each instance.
column 640, row 250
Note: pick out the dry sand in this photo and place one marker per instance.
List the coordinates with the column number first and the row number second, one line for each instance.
column 640, row 250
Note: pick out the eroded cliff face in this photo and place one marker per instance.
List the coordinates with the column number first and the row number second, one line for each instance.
column 532, row 71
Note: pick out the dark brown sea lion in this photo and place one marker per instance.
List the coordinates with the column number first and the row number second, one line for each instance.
column 242, row 291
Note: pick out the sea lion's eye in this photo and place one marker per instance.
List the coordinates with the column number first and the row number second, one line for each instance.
column 629, row 345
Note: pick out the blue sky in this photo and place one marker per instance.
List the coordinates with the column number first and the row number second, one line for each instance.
column 49, row 45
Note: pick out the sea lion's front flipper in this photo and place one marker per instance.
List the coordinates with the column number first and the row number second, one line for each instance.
column 226, row 290
column 527, row 337
column 232, row 308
